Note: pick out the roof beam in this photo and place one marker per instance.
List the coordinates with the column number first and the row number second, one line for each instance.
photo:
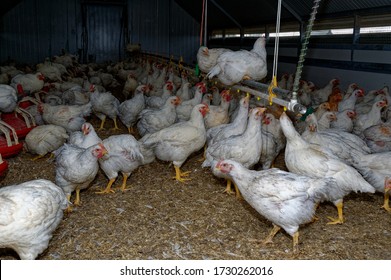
column 226, row 13
column 292, row 11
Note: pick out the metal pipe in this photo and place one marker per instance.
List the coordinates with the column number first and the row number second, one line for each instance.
column 290, row 105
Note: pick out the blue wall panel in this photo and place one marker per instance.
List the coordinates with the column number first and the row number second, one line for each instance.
column 36, row 29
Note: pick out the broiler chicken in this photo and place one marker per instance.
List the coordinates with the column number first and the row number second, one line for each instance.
column 321, row 95
column 45, row 139
column 304, row 159
column 219, row 114
column 237, row 127
column 153, row 120
column 85, row 138
column 8, row 99
column 207, row 58
column 130, row 86
column 344, row 121
column 232, row 67
column 29, row 214
column 29, row 82
column 376, row 169
column 104, row 104
column 158, row 101
column 123, row 155
column 185, row 108
column 131, row 108
column 76, row 168
column 373, row 117
column 350, row 102
column 286, row 199
column 378, row 137
column 244, row 148
column 177, row 142
column 69, row 117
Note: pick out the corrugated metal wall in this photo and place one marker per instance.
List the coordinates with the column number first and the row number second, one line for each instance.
column 36, row 29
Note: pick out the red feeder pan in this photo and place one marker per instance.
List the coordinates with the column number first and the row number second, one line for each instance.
column 3, row 166
column 18, row 124
column 9, row 151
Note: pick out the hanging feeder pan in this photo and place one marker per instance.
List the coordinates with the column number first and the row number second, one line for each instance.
column 8, row 151
column 9, row 147
column 3, row 166
column 20, row 126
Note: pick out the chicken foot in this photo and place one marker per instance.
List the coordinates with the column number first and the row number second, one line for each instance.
column 179, row 174
column 229, row 190
column 123, row 186
column 340, row 219
column 108, row 188
column 102, row 123
column 269, row 238
column 296, row 242
column 69, row 208
column 386, row 204
column 115, row 124
column 77, row 199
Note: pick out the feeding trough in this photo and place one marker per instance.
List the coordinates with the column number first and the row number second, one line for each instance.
column 9, row 147
column 3, row 166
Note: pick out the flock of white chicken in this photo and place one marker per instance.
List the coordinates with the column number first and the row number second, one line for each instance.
column 343, row 146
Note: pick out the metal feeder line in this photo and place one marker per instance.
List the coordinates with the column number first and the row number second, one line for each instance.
column 290, row 105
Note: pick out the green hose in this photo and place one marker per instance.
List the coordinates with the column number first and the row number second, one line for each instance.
column 304, row 47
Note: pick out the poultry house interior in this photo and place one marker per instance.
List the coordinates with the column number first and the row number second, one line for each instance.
column 142, row 69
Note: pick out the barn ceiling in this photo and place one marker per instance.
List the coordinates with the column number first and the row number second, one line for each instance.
column 251, row 13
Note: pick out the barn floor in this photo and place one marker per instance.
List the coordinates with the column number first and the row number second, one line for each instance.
column 159, row 218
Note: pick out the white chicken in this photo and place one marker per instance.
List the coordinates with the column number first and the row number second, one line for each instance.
column 8, row 99
column 104, row 104
column 286, row 199
column 321, row 95
column 29, row 82
column 232, row 67
column 350, row 102
column 378, row 137
column 177, row 142
column 123, row 155
column 185, row 108
column 207, row 58
column 244, row 148
column 376, row 169
column 344, row 121
column 30, row 213
column 69, row 117
column 158, row 101
column 152, row 120
column 85, row 138
column 45, row 139
column 304, row 159
column 76, row 168
column 219, row 114
column 130, row 86
column 373, row 117
column 131, row 108
column 237, row 127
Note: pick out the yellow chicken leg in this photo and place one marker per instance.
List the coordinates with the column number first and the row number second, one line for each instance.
column 108, row 188
column 340, row 219
column 77, row 199
column 269, row 238
column 37, row 157
column 204, row 153
column 386, row 204
column 131, row 130
column 238, row 194
column 102, row 123
column 123, row 186
column 69, row 208
column 179, row 175
column 296, row 242
column 228, row 188
column 115, row 124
